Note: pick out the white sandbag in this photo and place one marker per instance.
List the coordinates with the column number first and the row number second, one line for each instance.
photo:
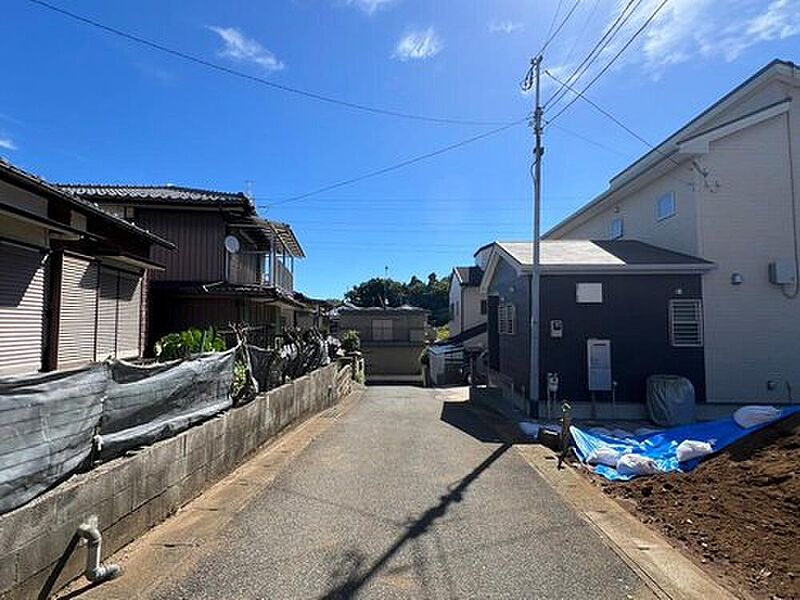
column 636, row 464
column 750, row 416
column 689, row 449
column 603, row 456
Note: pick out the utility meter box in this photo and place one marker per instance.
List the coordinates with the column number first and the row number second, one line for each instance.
column 556, row 328
column 782, row 272
column 598, row 354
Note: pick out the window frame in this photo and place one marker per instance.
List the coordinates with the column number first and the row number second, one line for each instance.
column 612, row 234
column 672, row 197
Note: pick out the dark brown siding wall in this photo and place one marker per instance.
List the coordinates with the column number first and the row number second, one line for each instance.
column 199, row 254
column 634, row 316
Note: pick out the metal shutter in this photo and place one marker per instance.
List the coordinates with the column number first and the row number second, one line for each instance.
column 107, row 314
column 21, row 309
column 76, row 332
column 129, row 311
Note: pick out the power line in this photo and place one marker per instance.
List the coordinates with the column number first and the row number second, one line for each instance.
column 579, row 37
column 399, row 165
column 559, row 28
column 553, row 20
column 613, row 59
column 601, row 44
column 254, row 78
column 610, row 116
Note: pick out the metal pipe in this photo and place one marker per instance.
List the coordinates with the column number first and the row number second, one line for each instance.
column 95, row 571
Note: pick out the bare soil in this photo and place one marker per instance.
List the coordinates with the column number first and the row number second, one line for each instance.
column 738, row 513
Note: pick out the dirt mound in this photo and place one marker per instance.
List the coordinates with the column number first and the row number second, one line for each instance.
column 738, row 512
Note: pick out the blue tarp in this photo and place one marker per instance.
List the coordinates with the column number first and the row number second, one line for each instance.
column 660, row 446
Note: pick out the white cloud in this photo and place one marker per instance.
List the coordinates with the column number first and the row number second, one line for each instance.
column 7, row 144
column 369, row 7
column 416, row 45
column 698, row 31
column 707, row 29
column 505, row 26
column 239, row 47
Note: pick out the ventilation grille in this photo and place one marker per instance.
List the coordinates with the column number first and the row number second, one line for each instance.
column 686, row 323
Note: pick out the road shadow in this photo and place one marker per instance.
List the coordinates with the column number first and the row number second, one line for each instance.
column 464, row 417
column 350, row 583
column 482, row 424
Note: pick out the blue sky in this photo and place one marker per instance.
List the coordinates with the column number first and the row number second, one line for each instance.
column 78, row 104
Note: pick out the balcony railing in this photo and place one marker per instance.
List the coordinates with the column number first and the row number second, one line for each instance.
column 280, row 276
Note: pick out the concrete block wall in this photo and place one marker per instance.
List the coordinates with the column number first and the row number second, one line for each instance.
column 129, row 495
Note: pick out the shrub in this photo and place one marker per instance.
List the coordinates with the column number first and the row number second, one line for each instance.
column 185, row 343
column 351, row 342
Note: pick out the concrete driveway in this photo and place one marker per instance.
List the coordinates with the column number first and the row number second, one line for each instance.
column 408, row 495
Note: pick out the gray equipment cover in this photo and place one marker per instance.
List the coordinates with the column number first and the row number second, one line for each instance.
column 670, row 400
column 46, row 426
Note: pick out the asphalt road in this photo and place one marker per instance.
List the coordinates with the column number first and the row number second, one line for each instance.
column 409, row 495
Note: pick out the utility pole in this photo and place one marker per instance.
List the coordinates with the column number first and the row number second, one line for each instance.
column 532, row 81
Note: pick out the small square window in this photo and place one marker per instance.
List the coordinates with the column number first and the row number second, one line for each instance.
column 615, row 231
column 667, row 206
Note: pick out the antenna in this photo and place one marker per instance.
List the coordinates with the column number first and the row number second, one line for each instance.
column 232, row 244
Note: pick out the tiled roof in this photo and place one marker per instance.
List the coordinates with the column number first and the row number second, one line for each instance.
column 39, row 185
column 157, row 193
column 469, row 276
column 590, row 253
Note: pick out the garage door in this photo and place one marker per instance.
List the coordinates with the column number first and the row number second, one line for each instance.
column 76, row 332
column 21, row 309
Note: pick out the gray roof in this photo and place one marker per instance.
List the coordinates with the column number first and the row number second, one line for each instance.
column 404, row 309
column 469, row 276
column 156, row 193
column 37, row 185
column 186, row 196
column 596, row 253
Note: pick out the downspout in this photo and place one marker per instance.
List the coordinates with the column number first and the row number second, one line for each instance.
column 793, row 197
column 95, row 571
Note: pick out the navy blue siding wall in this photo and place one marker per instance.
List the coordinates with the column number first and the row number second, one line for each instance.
column 634, row 316
column 513, row 350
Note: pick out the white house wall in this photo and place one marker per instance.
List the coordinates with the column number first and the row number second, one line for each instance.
column 455, row 299
column 638, row 211
column 752, row 329
column 471, row 308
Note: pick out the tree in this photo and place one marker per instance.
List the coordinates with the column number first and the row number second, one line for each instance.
column 433, row 295
column 376, row 292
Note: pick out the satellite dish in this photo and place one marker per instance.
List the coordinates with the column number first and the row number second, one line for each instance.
column 232, row 244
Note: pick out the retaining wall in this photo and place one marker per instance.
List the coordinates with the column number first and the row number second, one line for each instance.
column 131, row 494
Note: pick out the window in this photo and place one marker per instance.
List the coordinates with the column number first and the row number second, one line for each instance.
column 615, row 231
column 589, row 293
column 452, row 311
column 484, row 307
column 382, row 330
column 686, row 323
column 667, row 206
column 506, row 317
